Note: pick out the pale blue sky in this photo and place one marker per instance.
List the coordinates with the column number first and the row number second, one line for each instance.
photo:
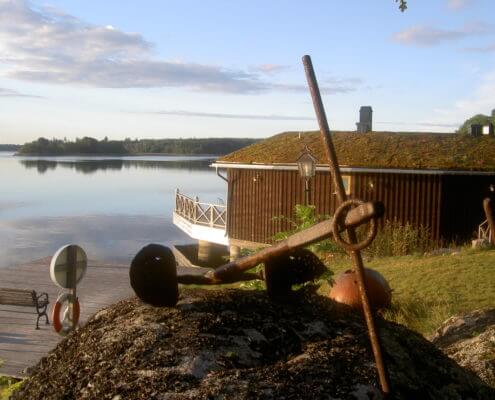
column 160, row 69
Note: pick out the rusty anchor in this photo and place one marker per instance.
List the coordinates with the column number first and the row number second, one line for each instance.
column 153, row 273
column 153, row 269
column 353, row 247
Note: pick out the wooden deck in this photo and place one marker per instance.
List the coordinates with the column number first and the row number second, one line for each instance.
column 21, row 345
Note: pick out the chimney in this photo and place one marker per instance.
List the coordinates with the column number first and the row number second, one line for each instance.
column 365, row 119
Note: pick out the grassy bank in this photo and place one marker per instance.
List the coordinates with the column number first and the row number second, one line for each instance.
column 7, row 386
column 426, row 289
column 429, row 289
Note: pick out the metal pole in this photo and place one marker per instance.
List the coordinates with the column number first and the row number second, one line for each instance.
column 306, row 191
column 341, row 195
column 72, row 276
column 490, row 216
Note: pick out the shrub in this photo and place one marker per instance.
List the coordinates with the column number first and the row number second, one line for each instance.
column 396, row 239
column 305, row 217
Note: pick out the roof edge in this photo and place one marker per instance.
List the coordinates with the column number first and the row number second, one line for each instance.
column 343, row 168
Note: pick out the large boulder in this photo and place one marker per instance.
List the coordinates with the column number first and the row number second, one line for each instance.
column 230, row 344
column 469, row 339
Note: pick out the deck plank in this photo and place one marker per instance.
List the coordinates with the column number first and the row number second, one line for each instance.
column 21, row 345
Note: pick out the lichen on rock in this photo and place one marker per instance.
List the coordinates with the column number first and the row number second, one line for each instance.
column 469, row 339
column 225, row 344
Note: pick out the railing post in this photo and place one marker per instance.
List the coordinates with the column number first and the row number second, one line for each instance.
column 195, row 209
column 213, row 215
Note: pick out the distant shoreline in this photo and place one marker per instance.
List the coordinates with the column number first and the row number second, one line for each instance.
column 91, row 147
column 114, row 155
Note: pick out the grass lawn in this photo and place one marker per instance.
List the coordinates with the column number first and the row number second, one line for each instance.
column 429, row 289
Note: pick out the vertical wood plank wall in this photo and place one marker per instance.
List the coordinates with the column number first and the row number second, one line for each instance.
column 257, row 196
column 408, row 198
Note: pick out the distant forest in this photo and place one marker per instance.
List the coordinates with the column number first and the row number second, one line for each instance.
column 88, row 145
column 9, row 147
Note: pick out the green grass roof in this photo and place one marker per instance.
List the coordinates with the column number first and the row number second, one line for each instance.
column 405, row 150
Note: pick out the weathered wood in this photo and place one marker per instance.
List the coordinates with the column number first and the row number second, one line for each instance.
column 21, row 345
column 282, row 190
column 26, row 298
column 355, row 217
column 17, row 297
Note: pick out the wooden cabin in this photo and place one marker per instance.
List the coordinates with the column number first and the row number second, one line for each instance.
column 435, row 180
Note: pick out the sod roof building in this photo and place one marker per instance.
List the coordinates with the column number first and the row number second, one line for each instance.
column 435, row 180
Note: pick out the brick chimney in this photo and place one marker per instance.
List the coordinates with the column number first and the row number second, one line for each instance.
column 365, row 119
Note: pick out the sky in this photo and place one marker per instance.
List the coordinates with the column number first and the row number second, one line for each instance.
column 218, row 68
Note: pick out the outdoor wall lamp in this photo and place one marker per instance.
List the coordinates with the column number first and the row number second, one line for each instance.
column 306, row 163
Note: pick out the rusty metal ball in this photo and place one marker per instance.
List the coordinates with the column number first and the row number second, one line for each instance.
column 345, row 289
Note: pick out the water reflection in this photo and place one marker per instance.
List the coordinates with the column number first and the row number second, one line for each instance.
column 114, row 238
column 112, row 206
column 91, row 166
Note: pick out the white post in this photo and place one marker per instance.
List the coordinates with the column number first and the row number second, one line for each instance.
column 195, row 214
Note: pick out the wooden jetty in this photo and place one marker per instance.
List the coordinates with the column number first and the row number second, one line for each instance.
column 21, row 344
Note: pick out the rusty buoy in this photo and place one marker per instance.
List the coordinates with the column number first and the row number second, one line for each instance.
column 345, row 289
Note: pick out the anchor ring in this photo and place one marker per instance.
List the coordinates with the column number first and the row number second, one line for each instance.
column 337, row 227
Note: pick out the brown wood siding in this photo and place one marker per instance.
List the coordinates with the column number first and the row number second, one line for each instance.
column 257, row 196
column 408, row 198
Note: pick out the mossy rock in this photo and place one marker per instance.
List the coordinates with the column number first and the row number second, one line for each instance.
column 222, row 344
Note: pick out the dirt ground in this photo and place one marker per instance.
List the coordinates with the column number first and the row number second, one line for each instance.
column 235, row 344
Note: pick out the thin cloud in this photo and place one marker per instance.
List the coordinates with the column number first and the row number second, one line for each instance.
column 481, row 49
column 479, row 101
column 271, row 69
column 14, row 93
column 47, row 45
column 432, row 124
column 426, row 36
column 330, row 86
column 44, row 44
column 269, row 117
column 458, row 4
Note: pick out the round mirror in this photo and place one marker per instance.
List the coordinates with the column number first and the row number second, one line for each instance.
column 68, row 266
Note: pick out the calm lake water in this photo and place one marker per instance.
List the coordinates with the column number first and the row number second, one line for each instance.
column 111, row 206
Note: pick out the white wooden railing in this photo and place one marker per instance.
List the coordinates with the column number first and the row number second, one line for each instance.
column 196, row 212
column 484, row 231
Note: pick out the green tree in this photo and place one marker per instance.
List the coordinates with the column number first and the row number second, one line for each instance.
column 402, row 5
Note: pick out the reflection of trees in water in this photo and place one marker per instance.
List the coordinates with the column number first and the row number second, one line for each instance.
column 41, row 165
column 92, row 166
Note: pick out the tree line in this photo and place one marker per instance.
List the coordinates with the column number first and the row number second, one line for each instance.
column 216, row 146
column 89, row 145
column 9, row 147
